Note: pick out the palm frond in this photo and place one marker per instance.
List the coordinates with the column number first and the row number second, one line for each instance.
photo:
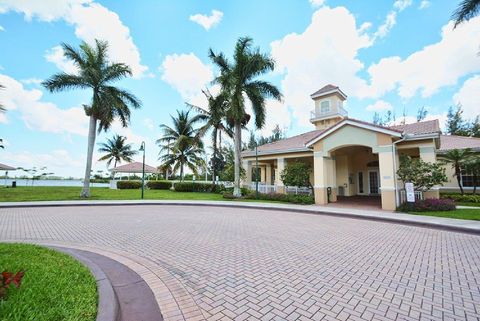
column 466, row 10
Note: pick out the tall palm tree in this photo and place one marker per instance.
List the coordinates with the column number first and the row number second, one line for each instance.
column 116, row 150
column 96, row 73
column 239, row 81
column 457, row 158
column 180, row 144
column 466, row 10
column 215, row 121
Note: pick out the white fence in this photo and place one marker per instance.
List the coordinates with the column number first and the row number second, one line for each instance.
column 270, row 189
column 298, row 190
column 263, row 188
column 403, row 196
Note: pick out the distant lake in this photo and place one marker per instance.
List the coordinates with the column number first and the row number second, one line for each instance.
column 49, row 182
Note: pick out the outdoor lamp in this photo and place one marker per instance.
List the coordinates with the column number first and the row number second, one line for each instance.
column 142, row 149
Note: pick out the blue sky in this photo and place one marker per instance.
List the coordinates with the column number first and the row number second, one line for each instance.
column 385, row 55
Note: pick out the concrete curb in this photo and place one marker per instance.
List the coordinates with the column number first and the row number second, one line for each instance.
column 455, row 225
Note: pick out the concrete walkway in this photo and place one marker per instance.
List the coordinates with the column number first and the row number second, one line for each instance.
column 468, row 226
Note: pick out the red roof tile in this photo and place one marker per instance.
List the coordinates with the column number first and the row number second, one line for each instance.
column 449, row 142
column 326, row 89
column 135, row 167
column 422, row 127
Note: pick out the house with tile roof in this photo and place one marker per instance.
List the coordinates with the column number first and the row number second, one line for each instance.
column 352, row 158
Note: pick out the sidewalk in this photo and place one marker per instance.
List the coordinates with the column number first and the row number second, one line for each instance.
column 467, row 226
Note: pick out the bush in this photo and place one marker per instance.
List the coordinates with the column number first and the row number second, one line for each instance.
column 468, row 198
column 159, row 185
column 198, row 187
column 129, row 184
column 428, row 205
column 288, row 198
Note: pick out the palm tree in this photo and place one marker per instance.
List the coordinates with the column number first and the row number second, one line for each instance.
column 2, row 108
column 215, row 121
column 239, row 82
column 116, row 151
column 180, row 144
column 473, row 167
column 96, row 73
column 466, row 10
column 458, row 158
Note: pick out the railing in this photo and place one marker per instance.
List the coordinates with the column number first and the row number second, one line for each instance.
column 318, row 114
column 403, row 196
column 298, row 190
column 264, row 188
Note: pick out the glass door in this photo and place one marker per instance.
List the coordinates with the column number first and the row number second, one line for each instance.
column 373, row 182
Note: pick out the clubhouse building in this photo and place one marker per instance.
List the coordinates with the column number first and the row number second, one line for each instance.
column 352, row 158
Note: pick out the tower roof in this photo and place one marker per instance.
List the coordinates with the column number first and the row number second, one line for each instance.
column 327, row 90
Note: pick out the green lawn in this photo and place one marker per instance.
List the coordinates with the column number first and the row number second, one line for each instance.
column 465, row 214
column 54, row 193
column 55, row 286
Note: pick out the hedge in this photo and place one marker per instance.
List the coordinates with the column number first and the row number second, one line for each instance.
column 166, row 185
column 288, row 198
column 129, row 184
column 428, row 205
column 197, row 187
column 468, row 198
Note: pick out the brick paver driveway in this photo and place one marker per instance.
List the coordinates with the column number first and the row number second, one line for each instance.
column 257, row 264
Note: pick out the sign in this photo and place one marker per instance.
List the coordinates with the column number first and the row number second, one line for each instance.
column 410, row 192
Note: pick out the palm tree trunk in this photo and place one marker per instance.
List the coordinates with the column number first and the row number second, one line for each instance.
column 238, row 149
column 114, row 166
column 214, row 159
column 458, row 173
column 181, row 172
column 92, row 131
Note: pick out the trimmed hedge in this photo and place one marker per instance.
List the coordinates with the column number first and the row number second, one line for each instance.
column 287, row 198
column 129, row 184
column 166, row 185
column 197, row 187
column 468, row 198
column 428, row 205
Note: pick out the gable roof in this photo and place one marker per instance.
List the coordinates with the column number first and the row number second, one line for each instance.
column 422, row 127
column 449, row 142
column 4, row 167
column 328, row 89
column 135, row 167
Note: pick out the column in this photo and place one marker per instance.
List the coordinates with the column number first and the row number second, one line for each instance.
column 247, row 166
column 278, row 180
column 320, row 178
column 427, row 154
column 387, row 182
column 268, row 174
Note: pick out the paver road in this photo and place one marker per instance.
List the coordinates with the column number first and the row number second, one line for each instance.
column 269, row 265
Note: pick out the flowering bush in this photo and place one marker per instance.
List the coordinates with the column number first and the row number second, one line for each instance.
column 428, row 205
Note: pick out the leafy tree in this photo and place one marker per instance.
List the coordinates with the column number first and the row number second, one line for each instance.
column 96, row 73
column 296, row 174
column 36, row 173
column 228, row 172
column 457, row 158
column 466, row 10
column 239, row 81
column 455, row 123
column 421, row 113
column 473, row 167
column 180, row 144
column 474, row 128
column 277, row 134
column 423, row 175
column 377, row 119
column 116, row 150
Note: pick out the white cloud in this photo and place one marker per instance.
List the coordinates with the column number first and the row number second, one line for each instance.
column 326, row 52
column 206, row 21
column 380, row 105
column 385, row 28
column 3, row 118
column 431, row 68
column 186, row 73
column 468, row 96
column 148, row 122
column 55, row 55
column 424, row 4
column 277, row 114
column 317, row 3
column 91, row 21
column 2, row 28
column 40, row 115
column 31, row 81
column 401, row 5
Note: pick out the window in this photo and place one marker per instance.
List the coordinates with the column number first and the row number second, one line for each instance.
column 325, row 106
column 360, row 182
column 468, row 180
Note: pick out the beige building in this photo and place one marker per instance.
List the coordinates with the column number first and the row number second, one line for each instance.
column 350, row 157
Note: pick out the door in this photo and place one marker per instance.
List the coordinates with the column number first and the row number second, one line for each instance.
column 373, row 182
column 360, row 183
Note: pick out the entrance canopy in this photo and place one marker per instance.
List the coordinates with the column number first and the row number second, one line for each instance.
column 135, row 167
column 4, row 167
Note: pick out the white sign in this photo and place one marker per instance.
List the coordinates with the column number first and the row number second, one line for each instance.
column 410, row 192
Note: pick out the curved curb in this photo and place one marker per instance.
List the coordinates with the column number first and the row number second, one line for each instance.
column 448, row 224
column 108, row 307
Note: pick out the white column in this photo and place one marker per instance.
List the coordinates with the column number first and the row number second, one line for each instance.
column 278, row 179
column 247, row 166
column 268, row 174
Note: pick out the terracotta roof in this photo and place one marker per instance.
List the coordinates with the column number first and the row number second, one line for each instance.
column 135, row 167
column 326, row 89
column 422, row 127
column 448, row 142
column 4, row 167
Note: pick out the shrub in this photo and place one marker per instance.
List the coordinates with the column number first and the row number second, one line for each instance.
column 288, row 198
column 461, row 198
column 129, row 184
column 159, row 185
column 428, row 205
column 198, row 187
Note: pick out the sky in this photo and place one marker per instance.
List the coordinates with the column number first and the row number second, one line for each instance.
column 396, row 55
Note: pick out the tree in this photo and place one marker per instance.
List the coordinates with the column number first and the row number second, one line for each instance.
column 96, row 73
column 474, row 128
column 36, row 173
column 228, row 172
column 455, row 122
column 180, row 144
column 2, row 108
column 466, row 10
column 239, row 81
column 473, row 167
column 457, row 158
column 423, row 175
column 116, row 150
column 297, row 174
column 421, row 113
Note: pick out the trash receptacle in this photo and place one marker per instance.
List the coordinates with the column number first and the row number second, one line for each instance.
column 14, row 184
column 329, row 192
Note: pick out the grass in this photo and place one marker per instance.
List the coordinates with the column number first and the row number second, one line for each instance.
column 54, row 193
column 464, row 214
column 55, row 286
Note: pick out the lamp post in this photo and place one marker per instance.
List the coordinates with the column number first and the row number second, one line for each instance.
column 142, row 149
column 256, row 170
